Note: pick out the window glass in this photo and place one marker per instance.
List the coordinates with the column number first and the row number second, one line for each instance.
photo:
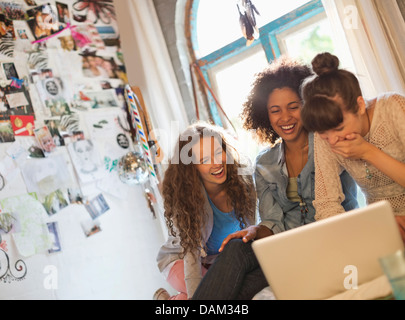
column 218, row 20
column 307, row 41
column 232, row 81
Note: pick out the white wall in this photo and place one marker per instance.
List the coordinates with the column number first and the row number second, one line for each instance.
column 117, row 263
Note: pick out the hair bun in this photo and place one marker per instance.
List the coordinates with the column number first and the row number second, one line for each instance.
column 325, row 63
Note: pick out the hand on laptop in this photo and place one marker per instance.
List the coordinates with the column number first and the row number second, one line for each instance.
column 249, row 234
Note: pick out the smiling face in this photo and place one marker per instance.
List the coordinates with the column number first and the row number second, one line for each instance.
column 210, row 162
column 284, row 111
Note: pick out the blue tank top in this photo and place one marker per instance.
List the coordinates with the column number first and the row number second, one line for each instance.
column 224, row 225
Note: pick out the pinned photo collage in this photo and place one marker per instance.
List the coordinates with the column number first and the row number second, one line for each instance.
column 62, row 77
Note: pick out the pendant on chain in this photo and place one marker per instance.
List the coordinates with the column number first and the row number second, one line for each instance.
column 369, row 176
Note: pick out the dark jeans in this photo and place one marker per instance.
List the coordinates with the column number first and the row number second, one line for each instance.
column 235, row 275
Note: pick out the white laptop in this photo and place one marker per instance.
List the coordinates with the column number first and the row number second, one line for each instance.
column 312, row 262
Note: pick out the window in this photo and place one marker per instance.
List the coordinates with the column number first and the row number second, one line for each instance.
column 298, row 28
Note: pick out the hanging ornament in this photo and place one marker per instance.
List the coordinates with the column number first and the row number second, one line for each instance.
column 247, row 20
column 141, row 135
column 132, row 168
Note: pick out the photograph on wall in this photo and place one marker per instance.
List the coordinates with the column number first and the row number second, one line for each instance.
column 101, row 99
column 22, row 34
column 7, row 37
column 43, row 21
column 67, row 43
column 6, row 132
column 15, row 101
column 12, row 10
column 45, row 140
column 75, row 196
column 63, row 12
column 97, row 207
column 90, row 227
column 53, row 126
column 9, row 223
column 53, row 229
column 6, row 27
column 30, row 3
column 55, row 202
column 9, row 70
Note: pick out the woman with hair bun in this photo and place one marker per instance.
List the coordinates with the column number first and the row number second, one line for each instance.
column 364, row 137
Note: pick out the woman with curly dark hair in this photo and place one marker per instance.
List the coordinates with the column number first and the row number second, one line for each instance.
column 205, row 199
column 284, row 177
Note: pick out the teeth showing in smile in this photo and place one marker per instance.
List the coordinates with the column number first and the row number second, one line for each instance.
column 218, row 172
column 288, row 127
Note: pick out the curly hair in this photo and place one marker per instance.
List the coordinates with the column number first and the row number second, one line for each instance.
column 183, row 190
column 282, row 73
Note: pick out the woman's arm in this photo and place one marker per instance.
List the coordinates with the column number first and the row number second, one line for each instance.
column 271, row 215
column 328, row 188
column 356, row 147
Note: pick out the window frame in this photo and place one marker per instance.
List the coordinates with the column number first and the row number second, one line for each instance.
column 268, row 41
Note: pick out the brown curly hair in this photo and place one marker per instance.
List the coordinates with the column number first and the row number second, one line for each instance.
column 282, row 73
column 183, row 190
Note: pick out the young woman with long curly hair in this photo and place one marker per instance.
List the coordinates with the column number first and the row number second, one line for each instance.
column 206, row 198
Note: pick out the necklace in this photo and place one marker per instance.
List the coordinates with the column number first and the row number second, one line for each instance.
column 303, row 206
column 369, row 176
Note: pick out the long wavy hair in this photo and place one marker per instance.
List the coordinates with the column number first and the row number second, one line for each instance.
column 183, row 190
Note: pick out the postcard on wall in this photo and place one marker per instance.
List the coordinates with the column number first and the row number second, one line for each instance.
column 55, row 202
column 9, row 70
column 43, row 21
column 103, row 99
column 9, row 223
column 63, row 13
column 6, row 132
column 97, row 207
column 90, row 227
column 53, row 126
column 23, row 125
column 53, row 229
column 6, row 27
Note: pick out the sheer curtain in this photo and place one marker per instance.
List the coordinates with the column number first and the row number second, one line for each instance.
column 357, row 21
column 149, row 67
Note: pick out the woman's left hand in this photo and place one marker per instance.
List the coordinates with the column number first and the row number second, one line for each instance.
column 353, row 147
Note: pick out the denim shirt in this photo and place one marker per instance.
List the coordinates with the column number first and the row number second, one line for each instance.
column 277, row 212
